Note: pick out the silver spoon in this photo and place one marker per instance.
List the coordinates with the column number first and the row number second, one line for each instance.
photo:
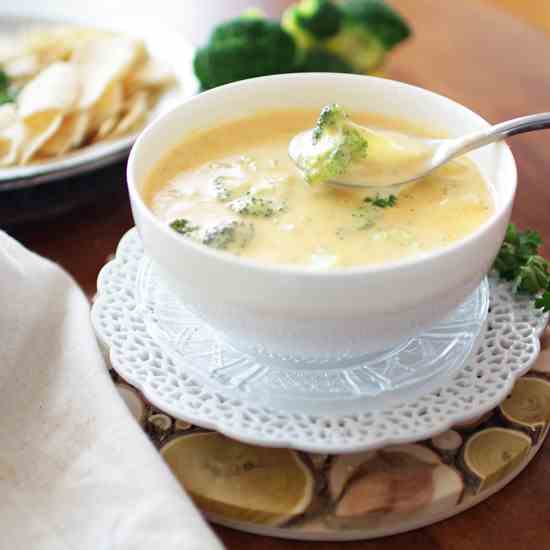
column 437, row 152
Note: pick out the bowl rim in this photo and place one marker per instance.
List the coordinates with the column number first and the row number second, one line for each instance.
column 300, row 270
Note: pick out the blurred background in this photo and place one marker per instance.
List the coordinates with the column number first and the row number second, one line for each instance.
column 536, row 12
column 196, row 17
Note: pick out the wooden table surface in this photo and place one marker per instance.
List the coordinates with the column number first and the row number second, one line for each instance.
column 500, row 68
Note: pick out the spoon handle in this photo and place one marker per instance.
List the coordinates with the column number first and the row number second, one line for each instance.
column 501, row 131
column 521, row 125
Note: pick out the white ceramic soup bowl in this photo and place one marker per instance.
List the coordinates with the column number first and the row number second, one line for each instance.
column 284, row 312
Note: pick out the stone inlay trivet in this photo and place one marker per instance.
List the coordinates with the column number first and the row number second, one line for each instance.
column 286, row 493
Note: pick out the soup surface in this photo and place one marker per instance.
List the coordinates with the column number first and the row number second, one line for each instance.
column 234, row 187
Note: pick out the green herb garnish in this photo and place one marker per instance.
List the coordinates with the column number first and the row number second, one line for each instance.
column 543, row 302
column 382, row 202
column 6, row 94
column 518, row 261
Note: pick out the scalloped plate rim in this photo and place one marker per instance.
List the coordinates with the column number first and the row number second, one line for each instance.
column 242, row 435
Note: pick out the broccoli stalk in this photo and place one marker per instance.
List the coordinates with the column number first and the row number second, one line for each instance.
column 336, row 144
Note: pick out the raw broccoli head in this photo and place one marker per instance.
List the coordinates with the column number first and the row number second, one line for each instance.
column 312, row 20
column 336, row 144
column 319, row 17
column 243, row 48
column 380, row 19
column 359, row 32
column 321, row 61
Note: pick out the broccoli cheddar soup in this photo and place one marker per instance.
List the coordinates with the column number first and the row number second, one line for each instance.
column 234, row 187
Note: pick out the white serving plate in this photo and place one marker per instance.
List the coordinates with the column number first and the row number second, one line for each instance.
column 159, row 347
column 163, row 44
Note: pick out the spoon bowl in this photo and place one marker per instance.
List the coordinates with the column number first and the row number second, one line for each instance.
column 420, row 156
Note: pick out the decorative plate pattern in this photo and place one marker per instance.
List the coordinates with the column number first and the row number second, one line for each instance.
column 157, row 346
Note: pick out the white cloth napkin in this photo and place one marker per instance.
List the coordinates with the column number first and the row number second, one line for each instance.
column 76, row 472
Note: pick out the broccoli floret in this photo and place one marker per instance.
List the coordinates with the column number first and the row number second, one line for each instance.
column 310, row 21
column 336, row 144
column 183, row 226
column 365, row 216
column 221, row 189
column 244, row 47
column 226, row 188
column 251, row 205
column 321, row 61
column 232, row 234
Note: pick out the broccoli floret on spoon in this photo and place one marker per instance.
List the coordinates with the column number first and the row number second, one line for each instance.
column 336, row 144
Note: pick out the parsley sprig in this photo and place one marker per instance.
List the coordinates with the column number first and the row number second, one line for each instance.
column 382, row 202
column 518, row 261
